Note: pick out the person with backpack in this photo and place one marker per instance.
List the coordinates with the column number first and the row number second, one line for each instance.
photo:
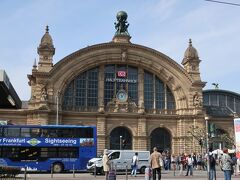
column 212, row 166
column 134, row 164
column 226, row 164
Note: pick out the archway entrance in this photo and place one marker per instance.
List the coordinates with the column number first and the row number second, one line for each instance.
column 120, row 136
column 161, row 139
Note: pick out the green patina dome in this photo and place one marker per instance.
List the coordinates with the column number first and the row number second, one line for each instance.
column 122, row 15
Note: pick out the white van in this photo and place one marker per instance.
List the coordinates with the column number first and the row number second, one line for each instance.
column 119, row 160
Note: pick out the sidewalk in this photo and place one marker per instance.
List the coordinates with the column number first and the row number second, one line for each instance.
column 166, row 175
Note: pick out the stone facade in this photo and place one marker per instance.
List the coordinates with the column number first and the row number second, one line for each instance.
column 48, row 83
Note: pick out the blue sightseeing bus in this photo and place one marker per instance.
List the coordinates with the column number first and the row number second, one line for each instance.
column 40, row 148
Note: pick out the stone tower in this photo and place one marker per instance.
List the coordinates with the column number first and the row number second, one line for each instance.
column 46, row 51
column 191, row 62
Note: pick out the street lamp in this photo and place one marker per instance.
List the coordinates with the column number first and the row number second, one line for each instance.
column 57, row 118
column 120, row 142
column 207, row 146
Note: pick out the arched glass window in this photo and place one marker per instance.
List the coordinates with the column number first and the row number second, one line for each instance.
column 156, row 92
column 82, row 92
column 120, row 77
column 148, row 90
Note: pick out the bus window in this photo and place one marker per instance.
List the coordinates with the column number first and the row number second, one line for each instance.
column 11, row 132
column 84, row 133
column 44, row 133
column 68, row 152
column 52, row 133
column 66, row 133
column 1, row 131
column 31, row 153
column 35, row 132
column 25, row 132
column 10, row 152
column 52, row 152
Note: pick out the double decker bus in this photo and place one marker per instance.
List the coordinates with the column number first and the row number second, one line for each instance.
column 47, row 147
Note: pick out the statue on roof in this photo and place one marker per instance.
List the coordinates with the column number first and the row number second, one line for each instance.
column 121, row 25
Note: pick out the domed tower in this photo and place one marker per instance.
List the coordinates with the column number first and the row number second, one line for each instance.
column 46, row 51
column 191, row 62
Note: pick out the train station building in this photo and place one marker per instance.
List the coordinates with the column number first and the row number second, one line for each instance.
column 133, row 94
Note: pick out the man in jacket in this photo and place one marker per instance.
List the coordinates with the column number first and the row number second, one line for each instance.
column 155, row 161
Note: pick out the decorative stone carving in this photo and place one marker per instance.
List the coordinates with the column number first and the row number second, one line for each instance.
column 117, row 106
column 124, row 56
column 196, row 100
column 44, row 94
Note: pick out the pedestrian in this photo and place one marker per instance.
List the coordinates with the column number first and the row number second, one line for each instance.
column 226, row 164
column 106, row 163
column 238, row 166
column 212, row 166
column 155, row 161
column 173, row 162
column 189, row 165
column 181, row 164
column 134, row 164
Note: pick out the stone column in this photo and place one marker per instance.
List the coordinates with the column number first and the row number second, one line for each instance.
column 101, row 89
column 140, row 90
column 141, row 139
column 101, row 134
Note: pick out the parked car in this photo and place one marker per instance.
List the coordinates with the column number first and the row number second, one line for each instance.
column 120, row 160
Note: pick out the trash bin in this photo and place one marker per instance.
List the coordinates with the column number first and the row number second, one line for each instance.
column 148, row 173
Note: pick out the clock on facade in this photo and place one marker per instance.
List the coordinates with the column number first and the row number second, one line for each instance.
column 122, row 96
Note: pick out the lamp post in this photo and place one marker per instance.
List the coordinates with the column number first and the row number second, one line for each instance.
column 207, row 147
column 120, row 143
column 57, row 119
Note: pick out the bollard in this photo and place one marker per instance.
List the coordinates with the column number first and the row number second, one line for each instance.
column 51, row 171
column 25, row 173
column 126, row 172
column 95, row 170
column 148, row 173
column 73, row 171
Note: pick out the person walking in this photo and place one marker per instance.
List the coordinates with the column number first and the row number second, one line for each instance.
column 226, row 164
column 189, row 165
column 181, row 164
column 155, row 161
column 134, row 164
column 212, row 166
column 106, row 163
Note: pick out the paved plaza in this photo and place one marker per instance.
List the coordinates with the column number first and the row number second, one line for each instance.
column 166, row 175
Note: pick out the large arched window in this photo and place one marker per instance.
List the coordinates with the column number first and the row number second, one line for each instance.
column 82, row 92
column 156, row 94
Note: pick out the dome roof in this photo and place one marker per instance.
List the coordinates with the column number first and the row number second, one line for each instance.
column 46, row 39
column 190, row 53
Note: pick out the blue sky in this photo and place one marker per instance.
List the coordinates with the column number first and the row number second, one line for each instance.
column 164, row 25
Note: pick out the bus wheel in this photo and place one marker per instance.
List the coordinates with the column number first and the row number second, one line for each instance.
column 142, row 170
column 57, row 167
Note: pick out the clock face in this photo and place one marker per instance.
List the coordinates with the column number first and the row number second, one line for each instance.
column 122, row 96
